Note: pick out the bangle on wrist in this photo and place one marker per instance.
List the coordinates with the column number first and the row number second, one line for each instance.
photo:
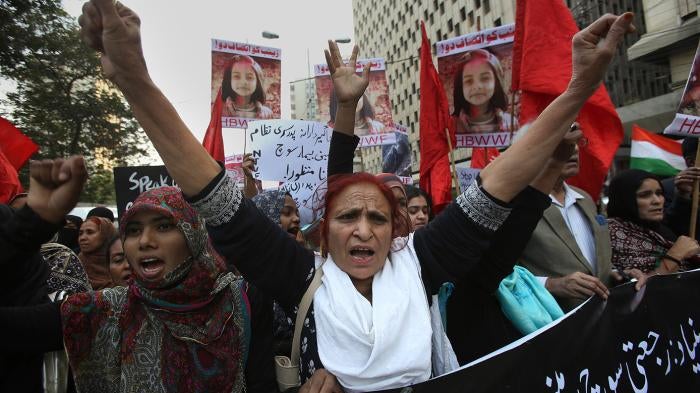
column 670, row 258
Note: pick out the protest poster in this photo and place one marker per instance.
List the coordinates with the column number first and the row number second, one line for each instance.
column 289, row 150
column 309, row 199
column 374, row 122
column 248, row 77
column 396, row 158
column 466, row 176
column 687, row 120
column 636, row 341
column 234, row 168
column 475, row 70
column 131, row 181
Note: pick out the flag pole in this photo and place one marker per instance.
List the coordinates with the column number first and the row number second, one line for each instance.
column 694, row 206
column 452, row 162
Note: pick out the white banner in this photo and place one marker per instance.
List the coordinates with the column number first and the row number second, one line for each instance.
column 289, row 150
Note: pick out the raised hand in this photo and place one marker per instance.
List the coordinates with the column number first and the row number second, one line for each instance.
column 114, row 30
column 566, row 147
column 684, row 181
column 55, row 186
column 348, row 86
column 593, row 49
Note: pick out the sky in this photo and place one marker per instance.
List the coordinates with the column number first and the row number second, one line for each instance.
column 176, row 36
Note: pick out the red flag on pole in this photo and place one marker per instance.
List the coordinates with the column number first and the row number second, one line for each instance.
column 435, row 175
column 482, row 156
column 542, row 70
column 213, row 139
column 9, row 181
column 16, row 146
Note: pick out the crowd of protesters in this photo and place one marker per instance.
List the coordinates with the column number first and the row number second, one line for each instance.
column 207, row 287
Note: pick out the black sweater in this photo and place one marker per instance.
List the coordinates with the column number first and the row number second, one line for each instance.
column 22, row 283
column 449, row 249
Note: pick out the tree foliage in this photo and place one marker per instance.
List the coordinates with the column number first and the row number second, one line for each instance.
column 62, row 101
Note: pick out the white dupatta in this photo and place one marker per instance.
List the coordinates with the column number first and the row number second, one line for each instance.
column 382, row 345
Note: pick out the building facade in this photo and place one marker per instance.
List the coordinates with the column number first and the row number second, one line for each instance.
column 303, row 99
column 670, row 42
column 642, row 80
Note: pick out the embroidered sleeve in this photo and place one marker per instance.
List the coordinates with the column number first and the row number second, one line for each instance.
column 481, row 208
column 221, row 204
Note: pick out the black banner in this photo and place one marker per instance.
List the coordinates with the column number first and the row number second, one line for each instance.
column 635, row 342
column 130, row 181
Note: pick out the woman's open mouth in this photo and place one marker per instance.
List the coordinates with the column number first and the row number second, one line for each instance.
column 152, row 267
column 361, row 255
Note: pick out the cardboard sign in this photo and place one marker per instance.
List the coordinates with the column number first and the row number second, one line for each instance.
column 249, row 79
column 475, row 70
column 293, row 151
column 131, row 181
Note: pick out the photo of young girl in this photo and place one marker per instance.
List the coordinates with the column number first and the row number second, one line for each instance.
column 246, row 82
column 480, row 101
column 373, row 119
column 364, row 116
column 475, row 71
column 242, row 89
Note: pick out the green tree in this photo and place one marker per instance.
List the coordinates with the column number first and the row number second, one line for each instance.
column 63, row 102
column 23, row 26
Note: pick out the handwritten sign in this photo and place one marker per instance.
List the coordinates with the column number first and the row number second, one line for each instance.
column 289, row 150
column 309, row 199
column 131, row 181
column 466, row 176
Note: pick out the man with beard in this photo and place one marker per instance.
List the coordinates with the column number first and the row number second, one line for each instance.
column 570, row 248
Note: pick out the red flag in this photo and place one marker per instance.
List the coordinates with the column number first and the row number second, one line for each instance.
column 213, row 140
column 483, row 156
column 9, row 181
column 435, row 175
column 16, row 146
column 542, row 70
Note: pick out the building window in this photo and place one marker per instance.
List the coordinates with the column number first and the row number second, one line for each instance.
column 471, row 18
column 463, row 14
column 442, row 8
column 487, row 6
column 450, row 27
column 457, row 30
column 477, row 4
column 497, row 22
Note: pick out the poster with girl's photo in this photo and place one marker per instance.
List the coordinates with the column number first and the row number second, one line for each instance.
column 373, row 120
column 247, row 79
column 687, row 120
column 475, row 70
column 396, row 158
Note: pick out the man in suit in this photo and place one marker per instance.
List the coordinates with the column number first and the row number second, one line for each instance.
column 570, row 248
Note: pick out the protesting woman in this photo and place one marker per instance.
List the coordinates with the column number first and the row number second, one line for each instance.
column 369, row 324
column 94, row 234
column 182, row 324
column 638, row 236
